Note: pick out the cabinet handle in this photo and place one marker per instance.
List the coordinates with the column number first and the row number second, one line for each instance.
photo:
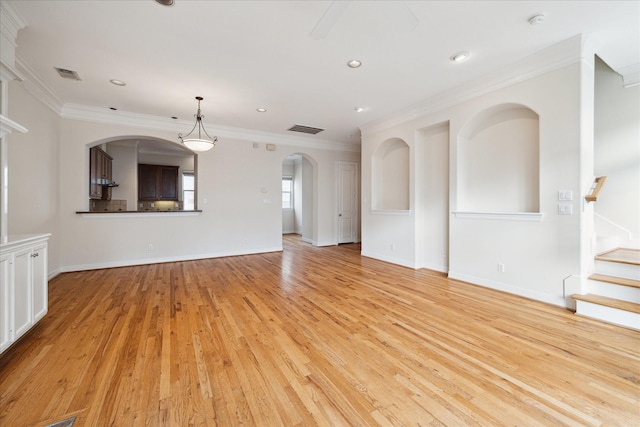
column 35, row 255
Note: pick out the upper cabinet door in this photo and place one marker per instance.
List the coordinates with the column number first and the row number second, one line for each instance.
column 157, row 182
column 95, row 173
column 169, row 181
column 100, row 164
column 148, row 182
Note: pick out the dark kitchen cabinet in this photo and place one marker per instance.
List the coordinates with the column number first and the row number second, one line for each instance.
column 100, row 167
column 157, row 182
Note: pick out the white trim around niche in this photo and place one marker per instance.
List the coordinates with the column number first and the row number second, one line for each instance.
column 404, row 212
column 513, row 216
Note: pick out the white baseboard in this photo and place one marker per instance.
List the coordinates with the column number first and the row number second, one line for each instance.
column 498, row 286
column 384, row 258
column 307, row 240
column 53, row 273
column 143, row 261
column 435, row 267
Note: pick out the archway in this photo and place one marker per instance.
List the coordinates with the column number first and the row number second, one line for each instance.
column 125, row 153
column 300, row 193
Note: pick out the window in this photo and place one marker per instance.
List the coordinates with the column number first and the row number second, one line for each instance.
column 188, row 191
column 287, row 192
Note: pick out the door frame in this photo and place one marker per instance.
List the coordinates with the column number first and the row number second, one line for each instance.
column 355, row 199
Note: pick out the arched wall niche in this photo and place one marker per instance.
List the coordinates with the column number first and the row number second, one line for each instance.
column 498, row 161
column 390, row 175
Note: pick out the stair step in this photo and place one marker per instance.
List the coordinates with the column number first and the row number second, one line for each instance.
column 621, row 255
column 609, row 302
column 616, row 280
column 620, row 262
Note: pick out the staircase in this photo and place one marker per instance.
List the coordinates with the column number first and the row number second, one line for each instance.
column 613, row 292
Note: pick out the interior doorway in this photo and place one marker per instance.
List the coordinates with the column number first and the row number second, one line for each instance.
column 347, row 201
column 298, row 195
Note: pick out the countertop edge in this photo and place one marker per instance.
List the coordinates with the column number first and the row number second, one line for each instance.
column 136, row 214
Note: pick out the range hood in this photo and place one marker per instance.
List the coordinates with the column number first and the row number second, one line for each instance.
column 107, row 183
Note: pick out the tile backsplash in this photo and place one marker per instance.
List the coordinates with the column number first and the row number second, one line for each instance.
column 164, row 205
column 121, row 206
column 107, row 205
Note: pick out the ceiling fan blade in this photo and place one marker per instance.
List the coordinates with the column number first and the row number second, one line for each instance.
column 399, row 16
column 328, row 20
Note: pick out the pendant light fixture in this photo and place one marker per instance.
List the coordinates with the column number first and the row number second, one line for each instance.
column 199, row 143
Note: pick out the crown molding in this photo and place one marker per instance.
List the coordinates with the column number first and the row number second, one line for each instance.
column 630, row 75
column 104, row 115
column 552, row 58
column 10, row 22
column 8, row 73
column 8, row 126
column 36, row 87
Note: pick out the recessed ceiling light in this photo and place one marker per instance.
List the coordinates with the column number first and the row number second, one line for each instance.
column 165, row 2
column 459, row 56
column 536, row 19
column 118, row 82
column 359, row 109
column 354, row 63
column 261, row 110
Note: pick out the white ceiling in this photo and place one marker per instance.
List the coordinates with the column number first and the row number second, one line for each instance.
column 242, row 55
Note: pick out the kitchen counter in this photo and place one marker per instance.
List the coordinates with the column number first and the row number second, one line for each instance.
column 138, row 214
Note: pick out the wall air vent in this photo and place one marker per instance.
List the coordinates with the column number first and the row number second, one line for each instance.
column 68, row 74
column 305, row 129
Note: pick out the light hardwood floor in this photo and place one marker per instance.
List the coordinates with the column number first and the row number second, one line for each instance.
column 311, row 336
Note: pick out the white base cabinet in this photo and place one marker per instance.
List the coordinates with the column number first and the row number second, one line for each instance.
column 23, row 285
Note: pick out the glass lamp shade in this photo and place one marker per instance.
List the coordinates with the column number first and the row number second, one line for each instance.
column 198, row 144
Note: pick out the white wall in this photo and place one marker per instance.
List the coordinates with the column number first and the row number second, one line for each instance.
column 617, row 156
column 537, row 251
column 34, row 193
column 125, row 173
column 49, row 169
column 432, row 197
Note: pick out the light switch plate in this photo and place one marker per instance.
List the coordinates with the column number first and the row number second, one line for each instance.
column 565, row 195
column 565, row 209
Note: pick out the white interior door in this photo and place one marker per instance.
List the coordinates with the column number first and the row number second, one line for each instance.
column 347, row 202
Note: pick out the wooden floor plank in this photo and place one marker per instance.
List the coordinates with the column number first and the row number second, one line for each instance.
column 311, row 336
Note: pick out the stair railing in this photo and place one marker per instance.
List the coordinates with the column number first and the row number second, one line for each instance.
column 595, row 189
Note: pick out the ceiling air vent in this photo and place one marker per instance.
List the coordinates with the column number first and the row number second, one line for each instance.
column 305, row 129
column 67, row 74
